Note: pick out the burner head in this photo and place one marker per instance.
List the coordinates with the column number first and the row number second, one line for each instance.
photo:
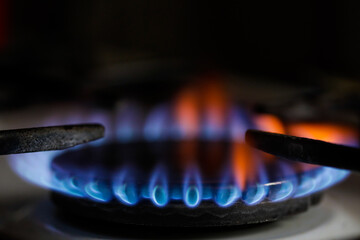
column 176, row 214
column 162, row 196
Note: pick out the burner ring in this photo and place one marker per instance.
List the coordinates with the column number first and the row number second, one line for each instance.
column 206, row 214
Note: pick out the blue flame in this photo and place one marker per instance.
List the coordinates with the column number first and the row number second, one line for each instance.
column 238, row 124
column 320, row 179
column 257, row 192
column 125, row 188
column 156, row 126
column 35, row 168
column 227, row 195
column 210, row 130
column 98, row 190
column 280, row 191
column 228, row 191
column 128, row 122
column 192, row 196
column 207, row 192
column 307, row 185
column 158, row 187
column 284, row 187
column 254, row 195
column 144, row 192
column 159, row 195
column 327, row 177
column 192, row 188
column 73, row 186
column 176, row 192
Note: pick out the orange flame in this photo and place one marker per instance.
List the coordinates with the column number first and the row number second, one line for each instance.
column 322, row 131
column 214, row 111
column 243, row 164
column 199, row 105
column 204, row 106
column 269, row 123
column 326, row 132
column 188, row 120
column 187, row 113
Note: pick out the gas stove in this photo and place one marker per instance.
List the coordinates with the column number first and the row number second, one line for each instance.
column 180, row 165
column 193, row 97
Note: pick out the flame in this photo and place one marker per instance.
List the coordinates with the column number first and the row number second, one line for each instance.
column 243, row 164
column 326, row 132
column 187, row 119
column 187, row 113
column 201, row 110
column 192, row 187
column 269, row 123
column 210, row 133
column 124, row 187
column 158, row 187
column 214, row 104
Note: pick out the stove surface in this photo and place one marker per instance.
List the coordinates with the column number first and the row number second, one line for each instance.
column 27, row 213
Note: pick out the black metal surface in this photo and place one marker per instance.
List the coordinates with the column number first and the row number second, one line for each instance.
column 48, row 138
column 305, row 149
column 177, row 214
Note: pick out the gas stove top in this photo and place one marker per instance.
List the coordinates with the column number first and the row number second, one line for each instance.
column 208, row 132
column 176, row 167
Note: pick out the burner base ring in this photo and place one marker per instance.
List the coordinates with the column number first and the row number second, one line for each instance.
column 207, row 214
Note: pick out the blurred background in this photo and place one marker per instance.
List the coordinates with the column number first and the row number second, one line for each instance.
column 51, row 50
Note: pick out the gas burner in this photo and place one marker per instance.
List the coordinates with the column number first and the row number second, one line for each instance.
column 127, row 184
column 131, row 173
column 180, row 163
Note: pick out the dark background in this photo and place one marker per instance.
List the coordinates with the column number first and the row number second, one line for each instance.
column 59, row 46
